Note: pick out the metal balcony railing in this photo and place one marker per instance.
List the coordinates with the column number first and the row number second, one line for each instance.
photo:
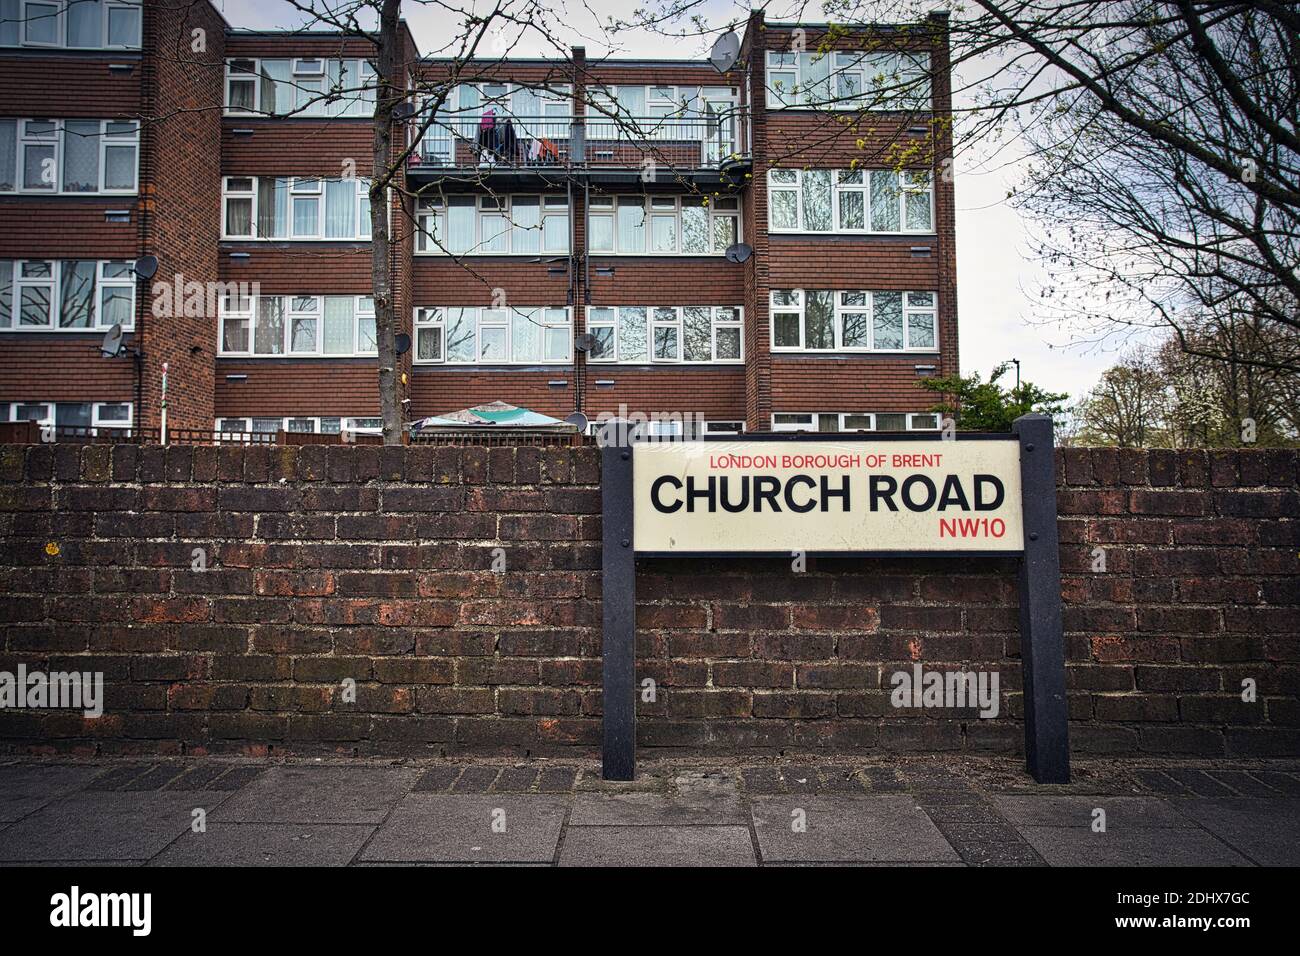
column 518, row 142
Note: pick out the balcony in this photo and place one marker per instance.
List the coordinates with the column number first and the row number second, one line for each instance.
column 689, row 145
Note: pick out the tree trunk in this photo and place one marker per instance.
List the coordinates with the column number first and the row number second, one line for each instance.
column 381, row 242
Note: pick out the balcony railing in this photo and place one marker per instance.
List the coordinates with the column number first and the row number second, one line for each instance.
column 694, row 142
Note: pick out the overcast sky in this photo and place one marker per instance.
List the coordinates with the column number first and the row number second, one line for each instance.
column 995, row 272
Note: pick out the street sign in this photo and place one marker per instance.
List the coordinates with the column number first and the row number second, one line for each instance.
column 862, row 494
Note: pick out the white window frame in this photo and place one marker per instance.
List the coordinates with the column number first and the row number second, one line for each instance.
column 356, row 103
column 244, row 308
column 23, row 139
column 720, row 317
column 432, row 320
column 431, row 217
column 811, row 423
column 62, row 24
column 864, row 67
column 908, row 182
column 360, row 209
column 801, row 295
column 54, row 284
column 97, row 421
column 605, row 208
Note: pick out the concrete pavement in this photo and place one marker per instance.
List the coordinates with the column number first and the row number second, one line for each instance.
column 948, row 811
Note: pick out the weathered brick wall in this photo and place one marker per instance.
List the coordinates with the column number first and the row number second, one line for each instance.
column 332, row 563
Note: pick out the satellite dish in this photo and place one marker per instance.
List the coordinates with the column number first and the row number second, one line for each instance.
column 404, row 110
column 578, row 421
column 146, row 266
column 585, row 342
column 403, row 343
column 725, row 52
column 739, row 252
column 112, row 344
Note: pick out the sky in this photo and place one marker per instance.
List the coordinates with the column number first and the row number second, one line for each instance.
column 996, row 273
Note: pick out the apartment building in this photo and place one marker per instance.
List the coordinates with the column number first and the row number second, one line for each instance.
column 768, row 245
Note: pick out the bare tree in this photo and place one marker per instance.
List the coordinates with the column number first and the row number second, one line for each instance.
column 1165, row 133
column 1128, row 407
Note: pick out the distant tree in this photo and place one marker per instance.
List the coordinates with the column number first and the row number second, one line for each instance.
column 1128, row 407
column 1234, row 400
column 979, row 406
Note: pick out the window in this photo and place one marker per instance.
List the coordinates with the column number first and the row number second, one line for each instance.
column 493, row 225
column 850, row 200
column 307, row 326
column 87, row 418
column 309, row 87
column 66, row 295
column 662, row 225
column 68, row 156
column 297, row 208
column 233, row 429
column 662, row 334
column 74, row 24
column 817, row 320
column 536, row 335
column 892, row 80
column 853, row 422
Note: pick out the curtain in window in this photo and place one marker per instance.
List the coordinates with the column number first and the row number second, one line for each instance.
column 277, row 89
column 340, row 208
column 6, row 293
column 631, row 103
column 8, row 148
column 272, row 208
column 526, row 105
column 81, row 156
column 115, row 306
column 460, row 224
column 338, row 325
column 526, row 335
column 85, row 23
column 525, row 214
column 268, row 334
column 816, row 69
column 631, row 226
column 11, row 19
column 239, row 216
column 77, row 294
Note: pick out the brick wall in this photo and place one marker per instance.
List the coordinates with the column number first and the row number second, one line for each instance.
column 375, row 564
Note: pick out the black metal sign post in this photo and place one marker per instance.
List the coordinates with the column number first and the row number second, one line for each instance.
column 618, row 614
column 1042, row 643
column 1042, row 646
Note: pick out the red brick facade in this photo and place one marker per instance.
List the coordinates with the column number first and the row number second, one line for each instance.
column 330, row 563
column 175, row 87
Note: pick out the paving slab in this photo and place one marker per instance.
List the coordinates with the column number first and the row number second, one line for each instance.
column 845, row 829
column 1063, row 811
column 1265, row 830
column 658, row 846
column 1131, row 846
column 694, row 800
column 104, row 825
column 459, row 828
column 28, row 787
column 326, row 794
column 267, row 844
